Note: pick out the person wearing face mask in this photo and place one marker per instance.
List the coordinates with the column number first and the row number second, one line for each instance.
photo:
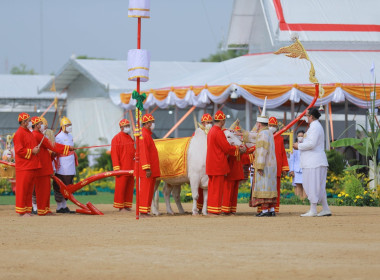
column 281, row 158
column 217, row 166
column 123, row 158
column 295, row 169
column 149, row 165
column 206, row 122
column 314, row 165
column 27, row 164
column 64, row 165
column 43, row 181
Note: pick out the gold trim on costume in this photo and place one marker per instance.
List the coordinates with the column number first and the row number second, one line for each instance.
column 134, row 77
column 140, row 16
column 145, row 166
column 115, row 168
column 262, row 144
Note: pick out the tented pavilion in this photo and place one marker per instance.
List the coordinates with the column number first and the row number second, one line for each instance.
column 342, row 40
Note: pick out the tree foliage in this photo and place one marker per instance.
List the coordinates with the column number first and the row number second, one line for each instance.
column 225, row 55
column 22, row 70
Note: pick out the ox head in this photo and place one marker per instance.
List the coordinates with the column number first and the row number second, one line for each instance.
column 232, row 138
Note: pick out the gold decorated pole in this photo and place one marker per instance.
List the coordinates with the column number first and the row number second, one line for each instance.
column 296, row 50
column 138, row 70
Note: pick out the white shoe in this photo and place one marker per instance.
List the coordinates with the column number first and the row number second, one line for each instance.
column 324, row 213
column 309, row 214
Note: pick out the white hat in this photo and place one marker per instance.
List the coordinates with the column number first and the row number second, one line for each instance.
column 263, row 118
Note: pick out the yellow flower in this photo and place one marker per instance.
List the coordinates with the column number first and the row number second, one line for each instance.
column 339, row 195
column 358, row 196
column 188, row 194
column 355, row 200
column 365, row 192
column 346, row 195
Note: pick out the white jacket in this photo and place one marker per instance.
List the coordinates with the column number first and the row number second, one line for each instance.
column 313, row 147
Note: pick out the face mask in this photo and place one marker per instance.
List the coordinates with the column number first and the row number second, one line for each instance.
column 272, row 129
column 300, row 139
column 42, row 129
column 29, row 125
column 307, row 120
column 69, row 129
column 126, row 129
column 152, row 127
column 208, row 126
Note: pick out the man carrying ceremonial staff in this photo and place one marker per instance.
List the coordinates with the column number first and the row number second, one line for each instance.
column 150, row 165
column 123, row 158
column 43, row 181
column 27, row 164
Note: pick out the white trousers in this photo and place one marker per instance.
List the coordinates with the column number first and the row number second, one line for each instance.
column 314, row 183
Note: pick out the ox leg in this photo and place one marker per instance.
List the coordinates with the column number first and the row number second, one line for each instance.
column 155, row 202
column 176, row 193
column 204, row 209
column 167, row 191
column 194, row 183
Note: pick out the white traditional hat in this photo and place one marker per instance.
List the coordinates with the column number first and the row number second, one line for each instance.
column 263, row 118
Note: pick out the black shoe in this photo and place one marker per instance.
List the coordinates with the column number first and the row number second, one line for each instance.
column 67, row 210
column 34, row 212
column 272, row 213
column 267, row 214
column 62, row 210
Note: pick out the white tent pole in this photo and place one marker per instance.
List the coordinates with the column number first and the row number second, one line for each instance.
column 248, row 115
column 175, row 121
column 327, row 128
column 215, row 108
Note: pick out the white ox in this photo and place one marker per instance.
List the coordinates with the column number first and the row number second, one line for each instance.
column 196, row 174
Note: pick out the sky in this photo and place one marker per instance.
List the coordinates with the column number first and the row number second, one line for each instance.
column 178, row 30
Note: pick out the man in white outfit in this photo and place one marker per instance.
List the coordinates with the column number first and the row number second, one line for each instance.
column 314, row 165
column 65, row 167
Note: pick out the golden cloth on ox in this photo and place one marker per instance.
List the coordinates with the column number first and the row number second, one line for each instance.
column 172, row 154
column 7, row 171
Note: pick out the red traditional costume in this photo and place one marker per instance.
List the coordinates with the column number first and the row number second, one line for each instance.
column 216, row 164
column 27, row 164
column 148, row 160
column 205, row 118
column 123, row 158
column 282, row 160
column 43, row 183
column 233, row 178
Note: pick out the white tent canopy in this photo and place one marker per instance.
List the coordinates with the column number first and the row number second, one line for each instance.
column 342, row 72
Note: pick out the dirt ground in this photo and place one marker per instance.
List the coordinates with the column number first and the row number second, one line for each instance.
column 117, row 246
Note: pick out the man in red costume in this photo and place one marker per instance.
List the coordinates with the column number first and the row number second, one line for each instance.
column 233, row 178
column 123, row 158
column 206, row 122
column 216, row 163
column 282, row 160
column 43, row 183
column 27, row 163
column 150, row 165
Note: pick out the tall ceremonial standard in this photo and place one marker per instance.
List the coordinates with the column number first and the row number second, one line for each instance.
column 138, row 70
